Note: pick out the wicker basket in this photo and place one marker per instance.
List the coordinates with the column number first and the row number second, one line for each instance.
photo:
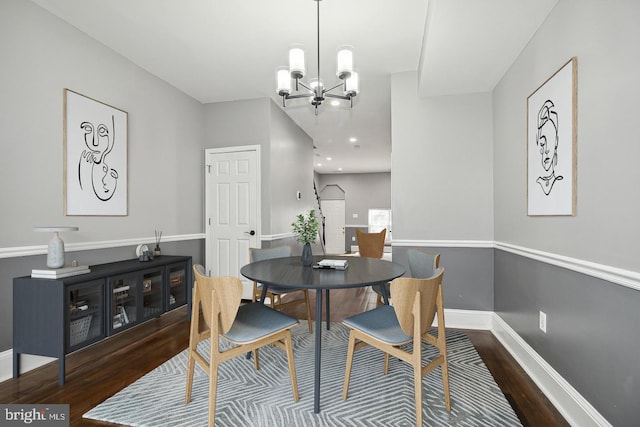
column 79, row 330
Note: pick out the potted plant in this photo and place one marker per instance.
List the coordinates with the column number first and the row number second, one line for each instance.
column 306, row 227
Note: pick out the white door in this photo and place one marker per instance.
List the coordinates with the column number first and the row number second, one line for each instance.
column 232, row 210
column 334, row 212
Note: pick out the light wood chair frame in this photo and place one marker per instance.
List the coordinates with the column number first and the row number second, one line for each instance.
column 436, row 264
column 415, row 304
column 219, row 298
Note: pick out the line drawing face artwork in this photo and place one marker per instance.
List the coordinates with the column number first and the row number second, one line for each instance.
column 93, row 166
column 551, row 144
column 95, row 157
column 547, row 140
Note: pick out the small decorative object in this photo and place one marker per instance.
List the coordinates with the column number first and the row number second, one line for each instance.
column 146, row 285
column 55, row 251
column 141, row 249
column 146, row 256
column 156, row 251
column 306, row 227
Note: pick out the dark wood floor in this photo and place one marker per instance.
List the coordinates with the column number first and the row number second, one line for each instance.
column 98, row 372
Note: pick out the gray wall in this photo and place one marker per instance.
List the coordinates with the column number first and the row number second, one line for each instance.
column 442, row 186
column 465, row 158
column 42, row 55
column 291, row 158
column 442, row 161
column 286, row 151
column 592, row 324
column 362, row 191
column 468, row 277
column 602, row 36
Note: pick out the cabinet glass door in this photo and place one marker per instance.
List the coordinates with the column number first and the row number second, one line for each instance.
column 85, row 306
column 152, row 294
column 123, row 291
column 177, row 285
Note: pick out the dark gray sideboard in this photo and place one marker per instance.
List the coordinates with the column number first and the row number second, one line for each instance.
column 54, row 317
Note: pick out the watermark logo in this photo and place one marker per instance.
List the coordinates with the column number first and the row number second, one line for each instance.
column 34, row 415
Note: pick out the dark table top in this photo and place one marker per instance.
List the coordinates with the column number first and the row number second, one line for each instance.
column 290, row 272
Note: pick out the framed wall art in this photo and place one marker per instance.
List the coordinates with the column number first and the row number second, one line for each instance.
column 551, row 144
column 95, row 157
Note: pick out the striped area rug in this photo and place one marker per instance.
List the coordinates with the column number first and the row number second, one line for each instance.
column 263, row 398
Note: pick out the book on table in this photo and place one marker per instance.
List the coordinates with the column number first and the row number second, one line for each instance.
column 59, row 273
column 336, row 264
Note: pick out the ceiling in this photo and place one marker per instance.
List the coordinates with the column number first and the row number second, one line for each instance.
column 221, row 50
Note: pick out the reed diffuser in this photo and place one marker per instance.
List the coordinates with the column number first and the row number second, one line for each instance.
column 156, row 251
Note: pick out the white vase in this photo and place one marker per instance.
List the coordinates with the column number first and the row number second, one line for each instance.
column 55, row 254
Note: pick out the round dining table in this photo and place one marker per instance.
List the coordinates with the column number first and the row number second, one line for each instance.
column 289, row 272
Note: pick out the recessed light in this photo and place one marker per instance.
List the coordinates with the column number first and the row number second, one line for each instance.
column 319, row 165
column 352, row 139
column 339, row 169
column 328, row 158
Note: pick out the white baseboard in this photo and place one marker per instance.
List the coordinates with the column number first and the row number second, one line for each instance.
column 27, row 363
column 573, row 407
column 467, row 319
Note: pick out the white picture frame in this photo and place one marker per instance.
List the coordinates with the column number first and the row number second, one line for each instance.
column 95, row 157
column 551, row 144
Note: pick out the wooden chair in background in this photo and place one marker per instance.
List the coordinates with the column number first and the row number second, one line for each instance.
column 371, row 245
column 247, row 328
column 416, row 302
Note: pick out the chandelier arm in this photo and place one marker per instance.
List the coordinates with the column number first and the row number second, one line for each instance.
column 336, row 86
column 304, row 86
column 306, row 95
column 333, row 95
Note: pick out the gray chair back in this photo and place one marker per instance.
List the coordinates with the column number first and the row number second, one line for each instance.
column 422, row 264
column 256, row 254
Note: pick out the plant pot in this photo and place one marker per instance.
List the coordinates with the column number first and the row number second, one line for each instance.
column 307, row 256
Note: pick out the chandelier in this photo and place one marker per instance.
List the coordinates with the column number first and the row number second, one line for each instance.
column 315, row 89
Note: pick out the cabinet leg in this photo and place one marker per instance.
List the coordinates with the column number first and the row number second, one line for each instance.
column 16, row 364
column 61, row 370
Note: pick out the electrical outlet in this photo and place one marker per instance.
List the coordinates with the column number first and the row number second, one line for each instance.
column 353, row 238
column 354, row 216
column 543, row 322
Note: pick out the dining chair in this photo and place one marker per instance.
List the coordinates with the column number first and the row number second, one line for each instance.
column 388, row 328
column 422, row 264
column 371, row 245
column 245, row 327
column 275, row 293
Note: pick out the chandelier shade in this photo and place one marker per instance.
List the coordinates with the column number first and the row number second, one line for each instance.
column 315, row 89
column 296, row 62
column 345, row 62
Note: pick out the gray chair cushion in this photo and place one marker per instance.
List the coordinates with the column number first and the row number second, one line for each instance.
column 255, row 321
column 381, row 323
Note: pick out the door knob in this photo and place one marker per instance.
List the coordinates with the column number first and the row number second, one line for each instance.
column 250, row 233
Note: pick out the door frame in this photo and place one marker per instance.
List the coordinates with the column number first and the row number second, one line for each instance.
column 207, row 223
column 324, row 212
